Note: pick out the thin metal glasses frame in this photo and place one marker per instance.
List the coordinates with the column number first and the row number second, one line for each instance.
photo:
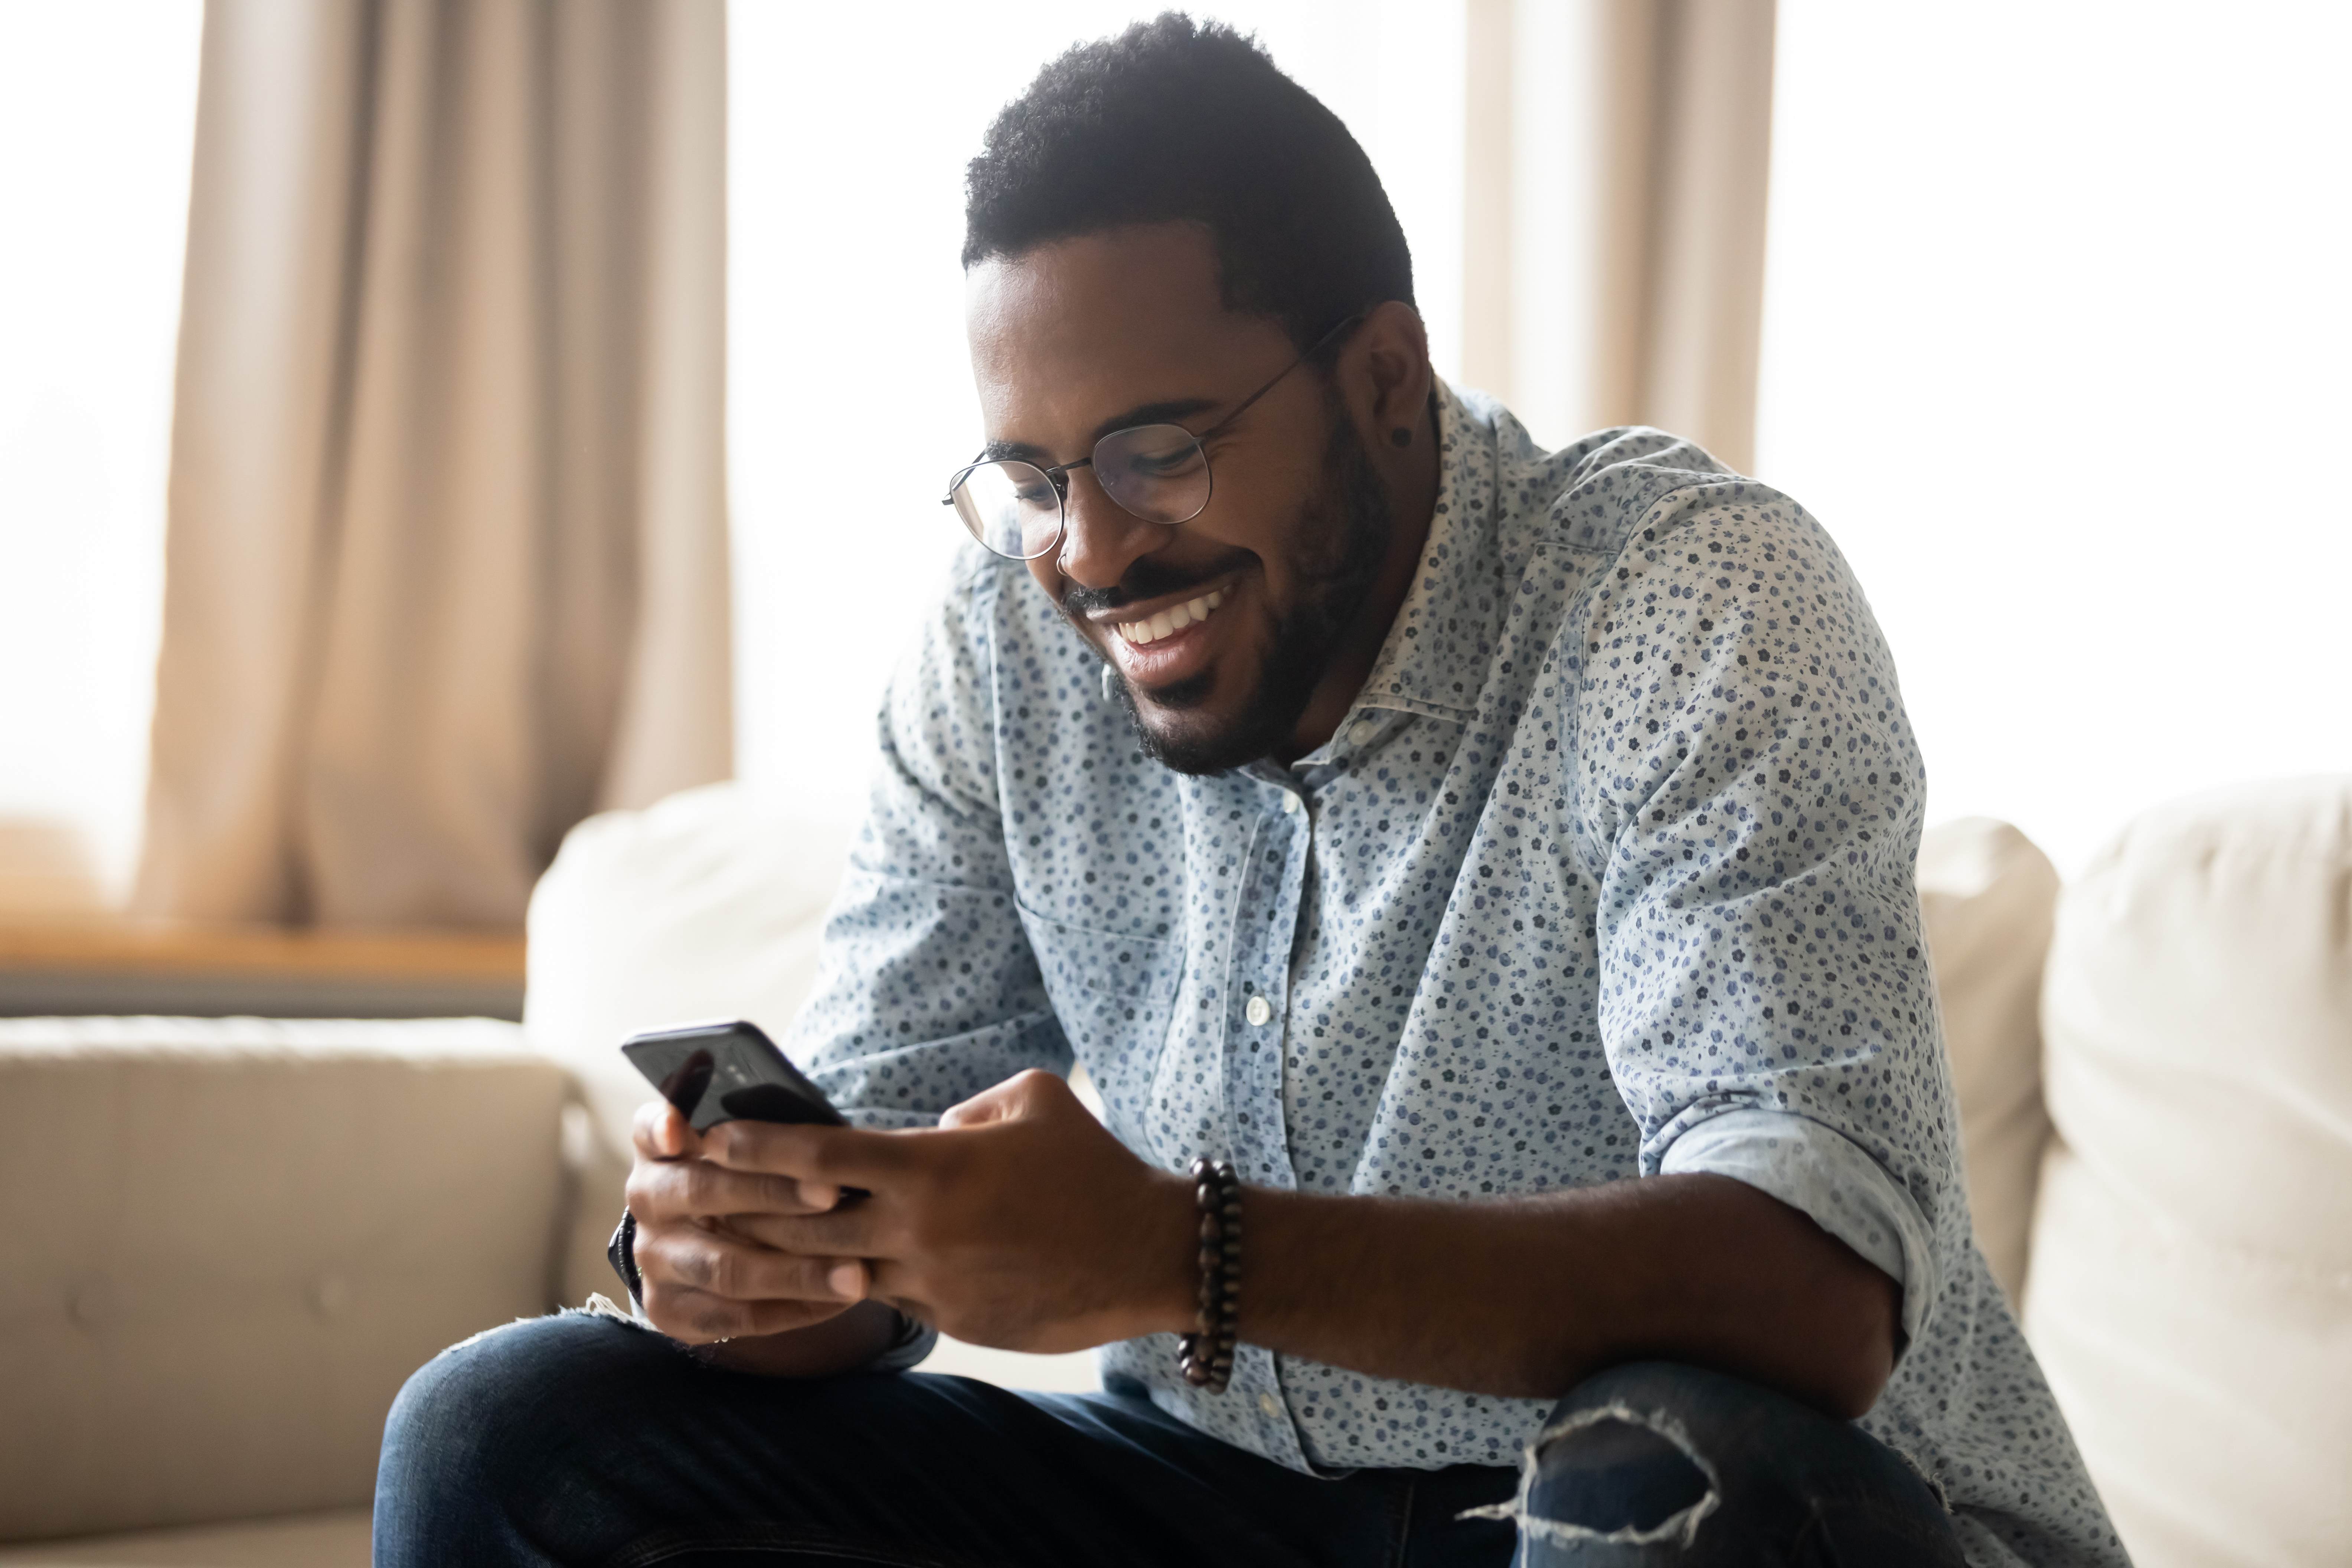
column 1058, row 475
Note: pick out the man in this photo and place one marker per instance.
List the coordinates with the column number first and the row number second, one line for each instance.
column 1500, row 860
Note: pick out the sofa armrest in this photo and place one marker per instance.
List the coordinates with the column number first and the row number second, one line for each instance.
column 230, row 1241
column 1985, row 897
column 2191, row 1295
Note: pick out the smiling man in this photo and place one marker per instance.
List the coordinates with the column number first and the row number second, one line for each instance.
column 1478, row 880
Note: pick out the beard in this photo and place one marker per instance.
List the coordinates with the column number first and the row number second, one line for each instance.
column 1341, row 540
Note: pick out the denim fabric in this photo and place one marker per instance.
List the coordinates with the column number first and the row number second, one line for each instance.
column 594, row 1443
column 1656, row 1464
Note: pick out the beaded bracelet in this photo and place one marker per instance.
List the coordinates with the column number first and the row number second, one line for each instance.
column 1206, row 1358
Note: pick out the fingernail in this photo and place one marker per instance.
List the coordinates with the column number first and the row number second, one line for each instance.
column 848, row 1280
column 820, row 1194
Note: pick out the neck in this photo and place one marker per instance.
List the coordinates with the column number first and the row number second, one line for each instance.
column 1411, row 477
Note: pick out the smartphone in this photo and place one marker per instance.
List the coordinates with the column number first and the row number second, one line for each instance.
column 719, row 1072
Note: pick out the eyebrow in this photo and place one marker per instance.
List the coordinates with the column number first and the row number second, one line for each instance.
column 1169, row 412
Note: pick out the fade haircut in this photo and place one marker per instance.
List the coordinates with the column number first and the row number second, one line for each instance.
column 1174, row 121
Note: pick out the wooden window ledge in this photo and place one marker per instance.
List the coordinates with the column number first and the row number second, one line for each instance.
column 82, row 965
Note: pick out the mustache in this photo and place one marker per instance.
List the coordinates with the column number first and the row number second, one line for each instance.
column 1149, row 579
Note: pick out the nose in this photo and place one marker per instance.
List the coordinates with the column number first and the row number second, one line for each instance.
column 1100, row 538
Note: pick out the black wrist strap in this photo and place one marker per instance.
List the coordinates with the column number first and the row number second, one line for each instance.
column 623, row 1252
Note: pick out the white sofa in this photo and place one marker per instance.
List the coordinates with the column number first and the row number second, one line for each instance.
column 231, row 1240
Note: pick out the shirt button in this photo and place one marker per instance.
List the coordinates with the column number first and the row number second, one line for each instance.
column 1266, row 1402
column 1258, row 1011
column 1289, row 803
column 1363, row 732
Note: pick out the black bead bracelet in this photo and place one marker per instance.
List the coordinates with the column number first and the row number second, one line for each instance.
column 1206, row 1358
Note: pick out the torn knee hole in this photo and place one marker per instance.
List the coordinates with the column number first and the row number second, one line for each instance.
column 1614, row 1475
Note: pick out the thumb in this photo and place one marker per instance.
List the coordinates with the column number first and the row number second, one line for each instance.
column 1005, row 1102
column 658, row 1131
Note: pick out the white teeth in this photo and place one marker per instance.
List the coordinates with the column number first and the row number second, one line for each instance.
column 1167, row 621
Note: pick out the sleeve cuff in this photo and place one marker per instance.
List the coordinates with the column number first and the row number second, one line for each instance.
column 1826, row 1176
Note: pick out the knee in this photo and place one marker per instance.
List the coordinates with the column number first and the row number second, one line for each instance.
column 1622, row 1474
column 1618, row 1460
column 484, row 1399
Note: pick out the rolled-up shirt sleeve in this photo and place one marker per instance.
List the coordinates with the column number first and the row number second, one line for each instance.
column 1749, row 804
column 1827, row 1177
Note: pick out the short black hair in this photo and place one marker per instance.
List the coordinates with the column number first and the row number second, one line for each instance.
column 1175, row 120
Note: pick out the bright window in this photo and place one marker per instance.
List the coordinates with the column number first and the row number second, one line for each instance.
column 97, row 130
column 851, row 394
column 2056, row 331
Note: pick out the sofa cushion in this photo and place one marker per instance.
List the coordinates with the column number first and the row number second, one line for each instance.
column 1986, row 895
column 2191, row 1287
column 230, row 1241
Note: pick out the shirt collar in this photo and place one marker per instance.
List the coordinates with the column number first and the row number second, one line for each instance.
column 1439, row 649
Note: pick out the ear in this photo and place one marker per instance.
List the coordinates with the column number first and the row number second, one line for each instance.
column 1385, row 375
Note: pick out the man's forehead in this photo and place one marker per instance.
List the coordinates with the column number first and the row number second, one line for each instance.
column 1135, row 313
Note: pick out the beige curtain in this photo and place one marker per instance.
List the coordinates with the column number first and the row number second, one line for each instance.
column 447, row 566
column 1618, row 154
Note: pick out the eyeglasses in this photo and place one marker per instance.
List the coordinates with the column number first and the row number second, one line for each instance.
column 1157, row 472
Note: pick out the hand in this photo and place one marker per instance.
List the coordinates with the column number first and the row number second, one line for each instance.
column 1019, row 1222
column 704, row 1279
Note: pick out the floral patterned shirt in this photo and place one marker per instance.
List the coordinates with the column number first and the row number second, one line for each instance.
column 1608, row 873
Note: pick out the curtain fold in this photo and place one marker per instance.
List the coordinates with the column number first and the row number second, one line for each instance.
column 446, row 560
column 1619, row 153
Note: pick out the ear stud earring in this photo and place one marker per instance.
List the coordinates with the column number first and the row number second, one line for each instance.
column 1400, row 436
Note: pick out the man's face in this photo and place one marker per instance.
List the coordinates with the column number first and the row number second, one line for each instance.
column 1086, row 336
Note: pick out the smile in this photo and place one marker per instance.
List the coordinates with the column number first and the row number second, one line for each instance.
column 1167, row 621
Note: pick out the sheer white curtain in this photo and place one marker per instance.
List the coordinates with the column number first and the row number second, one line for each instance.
column 446, row 560
column 97, row 119
column 2056, row 326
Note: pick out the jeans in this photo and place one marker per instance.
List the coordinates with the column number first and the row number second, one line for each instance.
column 587, row 1441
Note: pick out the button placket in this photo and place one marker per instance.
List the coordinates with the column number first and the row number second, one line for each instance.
column 1268, row 912
column 1269, row 1008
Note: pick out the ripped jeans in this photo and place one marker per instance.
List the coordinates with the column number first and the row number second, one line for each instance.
column 590, row 1442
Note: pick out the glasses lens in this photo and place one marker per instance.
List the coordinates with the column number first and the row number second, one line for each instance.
column 1156, row 472
column 1011, row 508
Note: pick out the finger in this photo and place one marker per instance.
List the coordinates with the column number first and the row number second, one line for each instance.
column 659, row 1132
column 993, row 1104
column 696, row 1317
column 1015, row 1097
column 697, row 1189
column 816, row 1156
column 717, row 1263
column 860, row 1230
